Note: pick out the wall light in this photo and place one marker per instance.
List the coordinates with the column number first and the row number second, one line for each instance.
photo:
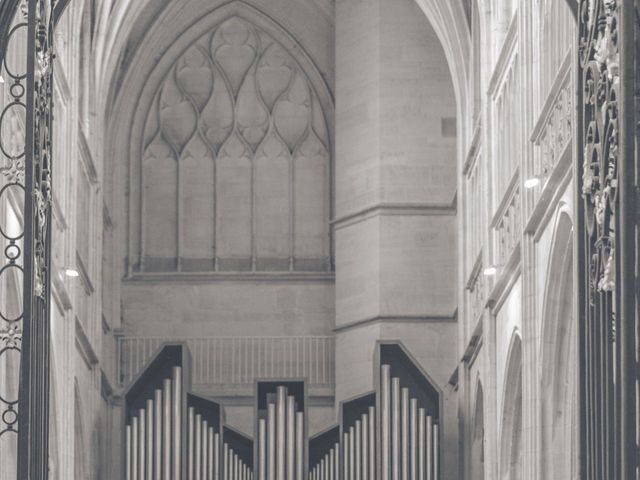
column 532, row 182
column 70, row 272
column 490, row 270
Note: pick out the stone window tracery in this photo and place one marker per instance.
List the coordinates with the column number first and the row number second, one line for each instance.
column 235, row 160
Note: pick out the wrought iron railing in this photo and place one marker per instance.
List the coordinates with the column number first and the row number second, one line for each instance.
column 607, row 225
column 238, row 361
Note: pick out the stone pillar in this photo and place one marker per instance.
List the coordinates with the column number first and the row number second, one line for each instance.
column 395, row 223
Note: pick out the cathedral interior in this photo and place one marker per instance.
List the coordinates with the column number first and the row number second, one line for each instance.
column 318, row 239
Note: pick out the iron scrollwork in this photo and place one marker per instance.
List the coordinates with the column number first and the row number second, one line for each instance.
column 25, row 236
column 605, row 171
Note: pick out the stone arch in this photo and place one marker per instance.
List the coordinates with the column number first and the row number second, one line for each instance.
column 511, row 430
column 559, row 356
column 202, row 112
column 79, row 451
column 477, row 435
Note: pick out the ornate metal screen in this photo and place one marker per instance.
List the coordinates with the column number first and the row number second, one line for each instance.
column 26, row 55
column 607, row 236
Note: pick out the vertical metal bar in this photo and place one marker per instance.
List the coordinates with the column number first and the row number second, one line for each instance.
column 300, row 444
column 413, row 438
column 167, row 399
column 357, row 458
column 395, row 428
column 281, row 424
column 262, row 449
column 291, row 437
column 628, row 224
column 157, row 435
column 177, row 422
column 385, row 421
column 149, row 439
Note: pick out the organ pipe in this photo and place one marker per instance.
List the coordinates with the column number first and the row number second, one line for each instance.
column 127, row 452
column 142, row 446
column 429, row 448
column 385, row 420
column 364, row 435
column 357, row 457
column 281, row 421
column 271, row 444
column 435, row 452
column 166, row 429
column 216, row 455
column 291, row 437
column 262, row 449
column 177, row 421
column 149, row 439
column 404, row 428
column 395, row 428
column 421, row 443
column 134, row 449
column 157, row 439
column 300, row 444
column 190, row 446
column 372, row 441
column 413, row 438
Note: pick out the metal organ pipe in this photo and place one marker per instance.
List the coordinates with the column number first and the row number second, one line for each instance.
column 271, row 443
column 134, row 448
column 281, row 422
column 429, row 448
column 142, row 445
column 166, row 429
column 385, row 420
column 372, row 441
column 357, row 457
column 413, row 438
column 127, row 452
column 157, row 437
column 177, row 421
column 291, row 437
column 395, row 428
column 435, row 452
column 421, row 443
column 300, row 446
column 262, row 449
column 364, row 442
column 190, row 447
column 149, row 439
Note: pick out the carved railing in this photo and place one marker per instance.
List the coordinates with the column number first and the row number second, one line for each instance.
column 506, row 225
column 219, row 361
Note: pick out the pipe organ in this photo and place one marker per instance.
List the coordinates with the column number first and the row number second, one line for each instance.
column 280, row 430
column 390, row 433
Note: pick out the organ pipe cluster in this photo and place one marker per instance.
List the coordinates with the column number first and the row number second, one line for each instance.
column 281, row 441
column 153, row 438
column 203, row 448
column 408, row 434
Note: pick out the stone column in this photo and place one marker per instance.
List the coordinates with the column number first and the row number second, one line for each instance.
column 395, row 223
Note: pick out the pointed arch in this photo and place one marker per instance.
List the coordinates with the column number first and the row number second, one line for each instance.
column 511, row 431
column 558, row 382
column 227, row 108
column 477, row 435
